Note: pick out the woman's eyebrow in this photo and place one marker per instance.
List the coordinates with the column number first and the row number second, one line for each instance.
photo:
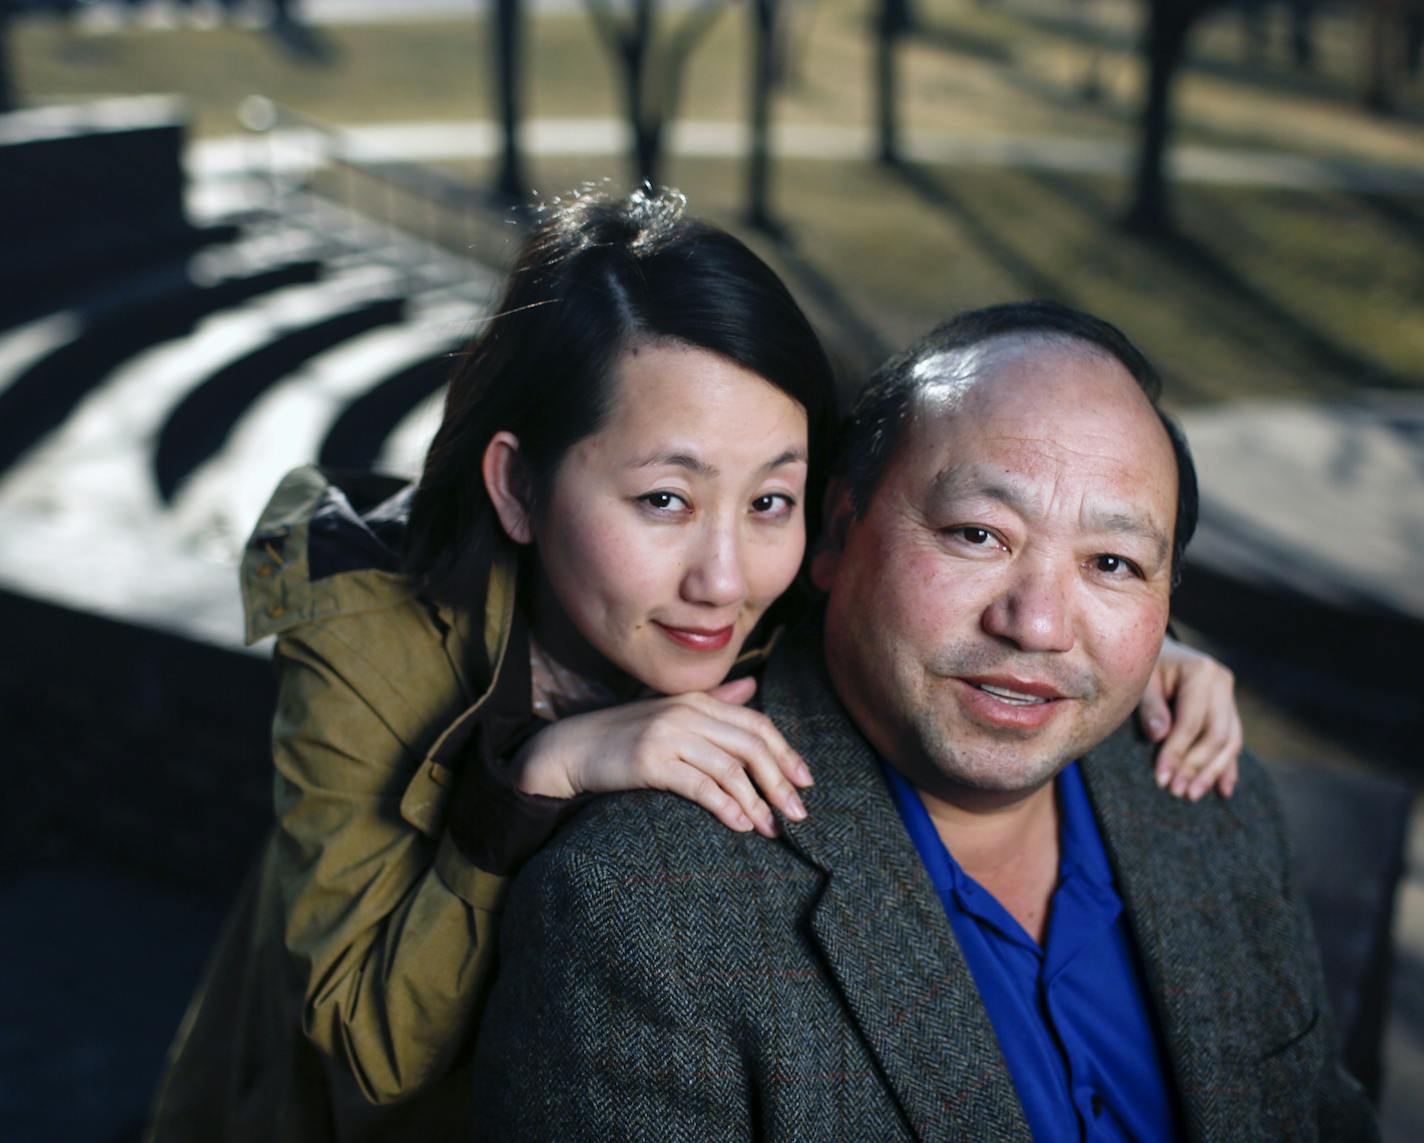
column 677, row 460
column 790, row 456
column 711, row 471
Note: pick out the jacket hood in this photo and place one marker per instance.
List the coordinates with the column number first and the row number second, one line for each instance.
column 319, row 525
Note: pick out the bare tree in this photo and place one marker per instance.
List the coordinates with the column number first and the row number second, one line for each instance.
column 764, row 67
column 651, row 73
column 7, row 83
column 1169, row 27
column 510, row 182
column 894, row 20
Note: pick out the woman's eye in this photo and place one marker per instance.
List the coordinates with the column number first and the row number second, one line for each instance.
column 773, row 504
column 664, row 502
column 1115, row 566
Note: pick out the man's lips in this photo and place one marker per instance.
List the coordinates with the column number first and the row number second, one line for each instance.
column 1013, row 689
column 698, row 638
column 1011, row 703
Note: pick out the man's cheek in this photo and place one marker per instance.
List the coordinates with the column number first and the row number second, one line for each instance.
column 1128, row 652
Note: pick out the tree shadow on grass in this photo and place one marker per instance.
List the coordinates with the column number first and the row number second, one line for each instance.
column 855, row 345
column 936, row 191
column 1262, row 74
column 962, row 41
column 1241, row 306
column 1404, row 215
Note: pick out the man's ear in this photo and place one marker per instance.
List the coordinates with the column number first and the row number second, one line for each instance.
column 507, row 482
column 830, row 544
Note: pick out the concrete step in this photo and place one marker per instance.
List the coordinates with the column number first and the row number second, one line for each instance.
column 50, row 363
column 199, row 425
column 215, row 508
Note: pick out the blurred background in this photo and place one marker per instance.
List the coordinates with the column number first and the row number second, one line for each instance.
column 237, row 237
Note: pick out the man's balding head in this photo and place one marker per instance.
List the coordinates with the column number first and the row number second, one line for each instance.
column 941, row 366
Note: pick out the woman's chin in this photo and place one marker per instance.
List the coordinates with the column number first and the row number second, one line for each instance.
column 675, row 678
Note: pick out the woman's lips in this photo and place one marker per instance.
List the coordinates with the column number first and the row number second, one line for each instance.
column 698, row 638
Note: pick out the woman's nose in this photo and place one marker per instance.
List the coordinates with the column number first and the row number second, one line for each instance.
column 715, row 575
column 1034, row 611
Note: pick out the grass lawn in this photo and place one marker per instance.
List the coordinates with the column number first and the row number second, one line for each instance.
column 1274, row 292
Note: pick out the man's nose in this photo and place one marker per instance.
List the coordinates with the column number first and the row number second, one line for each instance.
column 714, row 574
column 1035, row 609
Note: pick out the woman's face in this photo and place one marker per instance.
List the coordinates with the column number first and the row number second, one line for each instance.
column 669, row 532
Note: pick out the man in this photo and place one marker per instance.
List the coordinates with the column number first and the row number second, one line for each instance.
column 992, row 925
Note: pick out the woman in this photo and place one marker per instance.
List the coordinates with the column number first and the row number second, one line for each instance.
column 615, row 503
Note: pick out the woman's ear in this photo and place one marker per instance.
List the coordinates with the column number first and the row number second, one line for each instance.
column 831, row 542
column 507, row 482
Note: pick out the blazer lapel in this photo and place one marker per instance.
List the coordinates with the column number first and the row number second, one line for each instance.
column 1178, row 896
column 881, row 929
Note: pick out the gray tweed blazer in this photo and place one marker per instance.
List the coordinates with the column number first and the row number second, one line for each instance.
column 663, row 978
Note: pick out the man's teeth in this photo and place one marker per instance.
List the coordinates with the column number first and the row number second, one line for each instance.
column 1010, row 696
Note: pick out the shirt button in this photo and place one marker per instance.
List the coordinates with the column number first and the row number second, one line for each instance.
column 276, row 611
column 1097, row 1105
column 264, row 569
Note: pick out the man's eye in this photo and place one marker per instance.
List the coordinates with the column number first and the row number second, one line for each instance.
column 974, row 536
column 1115, row 566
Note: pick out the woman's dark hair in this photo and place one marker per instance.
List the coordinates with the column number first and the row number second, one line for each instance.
column 597, row 276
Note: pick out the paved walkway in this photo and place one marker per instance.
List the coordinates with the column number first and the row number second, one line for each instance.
column 295, row 151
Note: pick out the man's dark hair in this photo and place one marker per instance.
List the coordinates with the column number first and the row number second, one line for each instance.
column 597, row 277
column 872, row 431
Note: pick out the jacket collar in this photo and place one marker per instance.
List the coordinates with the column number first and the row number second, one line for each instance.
column 878, row 924
column 887, row 942
column 1180, row 873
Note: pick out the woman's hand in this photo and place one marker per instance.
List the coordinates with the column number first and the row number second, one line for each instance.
column 1200, row 731
column 707, row 747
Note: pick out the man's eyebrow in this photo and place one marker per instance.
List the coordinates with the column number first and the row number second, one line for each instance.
column 959, row 480
column 711, row 471
column 1130, row 524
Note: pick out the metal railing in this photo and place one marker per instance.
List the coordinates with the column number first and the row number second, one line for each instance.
column 387, row 209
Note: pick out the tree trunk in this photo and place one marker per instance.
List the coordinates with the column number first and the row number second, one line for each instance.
column 510, row 183
column 8, row 102
column 1168, row 25
column 645, row 121
column 893, row 21
column 759, row 161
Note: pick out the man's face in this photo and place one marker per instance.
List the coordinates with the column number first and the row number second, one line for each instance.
column 997, row 608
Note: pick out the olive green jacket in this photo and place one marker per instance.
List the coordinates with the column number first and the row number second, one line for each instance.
column 351, row 971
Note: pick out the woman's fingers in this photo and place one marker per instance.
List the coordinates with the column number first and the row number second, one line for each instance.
column 689, row 782
column 1153, row 712
column 1220, row 767
column 706, row 747
column 736, row 692
column 731, row 772
column 1205, row 739
column 791, row 764
column 737, row 749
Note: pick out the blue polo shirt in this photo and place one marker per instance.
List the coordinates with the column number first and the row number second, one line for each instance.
column 1072, row 1018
